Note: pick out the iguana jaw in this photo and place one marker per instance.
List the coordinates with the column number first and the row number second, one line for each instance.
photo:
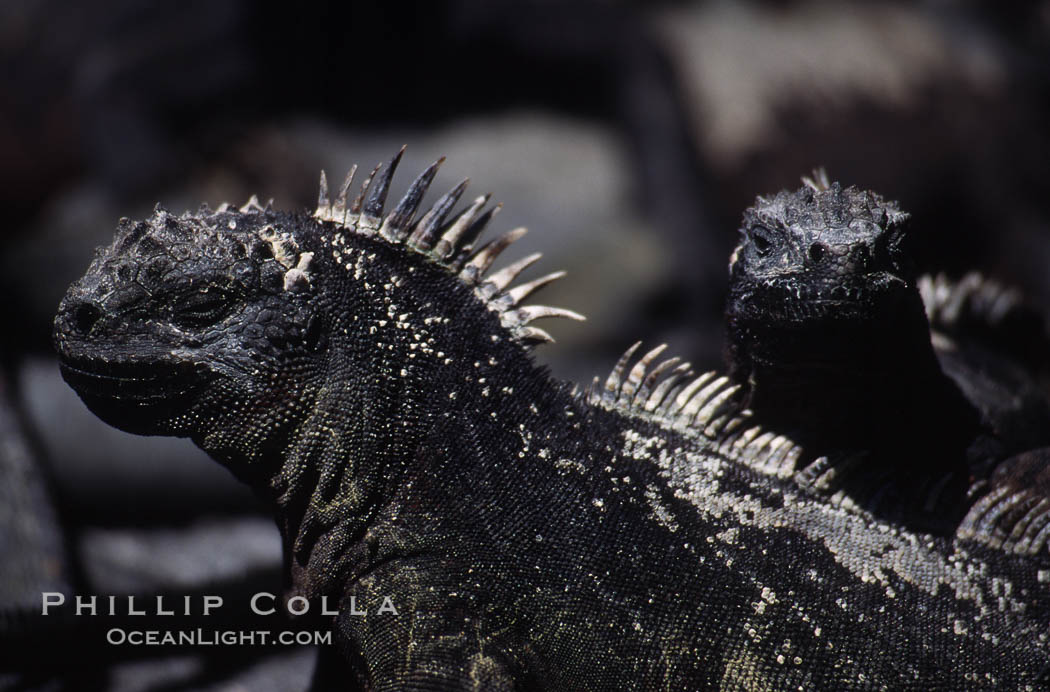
column 132, row 383
column 798, row 301
column 137, row 383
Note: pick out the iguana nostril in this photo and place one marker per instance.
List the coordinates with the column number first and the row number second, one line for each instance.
column 84, row 317
column 817, row 252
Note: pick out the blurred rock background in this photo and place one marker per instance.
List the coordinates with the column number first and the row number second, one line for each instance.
column 628, row 137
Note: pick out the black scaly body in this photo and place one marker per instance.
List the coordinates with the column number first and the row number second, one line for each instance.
column 995, row 346
column 370, row 374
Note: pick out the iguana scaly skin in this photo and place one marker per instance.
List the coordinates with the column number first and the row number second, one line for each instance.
column 370, row 374
column 828, row 334
column 994, row 344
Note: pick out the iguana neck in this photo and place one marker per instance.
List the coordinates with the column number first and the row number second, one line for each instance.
column 869, row 385
column 370, row 444
column 410, row 350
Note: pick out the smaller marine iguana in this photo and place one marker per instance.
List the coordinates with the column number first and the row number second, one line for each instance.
column 368, row 372
column 829, row 334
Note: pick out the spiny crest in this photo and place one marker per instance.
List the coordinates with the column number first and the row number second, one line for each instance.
column 1014, row 513
column 249, row 207
column 445, row 238
column 669, row 394
column 818, row 181
column 972, row 298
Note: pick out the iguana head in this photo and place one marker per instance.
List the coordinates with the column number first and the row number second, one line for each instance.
column 234, row 326
column 822, row 292
column 822, row 253
column 186, row 322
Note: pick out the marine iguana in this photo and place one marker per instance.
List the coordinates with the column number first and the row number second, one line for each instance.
column 829, row 335
column 369, row 373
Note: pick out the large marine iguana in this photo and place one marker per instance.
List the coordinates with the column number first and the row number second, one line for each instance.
column 368, row 373
column 829, row 336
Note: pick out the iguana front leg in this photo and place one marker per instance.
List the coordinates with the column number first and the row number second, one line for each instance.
column 414, row 626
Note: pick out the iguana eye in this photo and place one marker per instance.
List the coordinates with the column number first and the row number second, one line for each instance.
column 201, row 308
column 762, row 239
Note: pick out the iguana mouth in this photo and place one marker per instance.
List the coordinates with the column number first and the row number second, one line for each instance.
column 798, row 298
column 841, row 288
column 139, row 384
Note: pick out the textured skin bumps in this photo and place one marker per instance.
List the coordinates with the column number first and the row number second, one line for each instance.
column 529, row 536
